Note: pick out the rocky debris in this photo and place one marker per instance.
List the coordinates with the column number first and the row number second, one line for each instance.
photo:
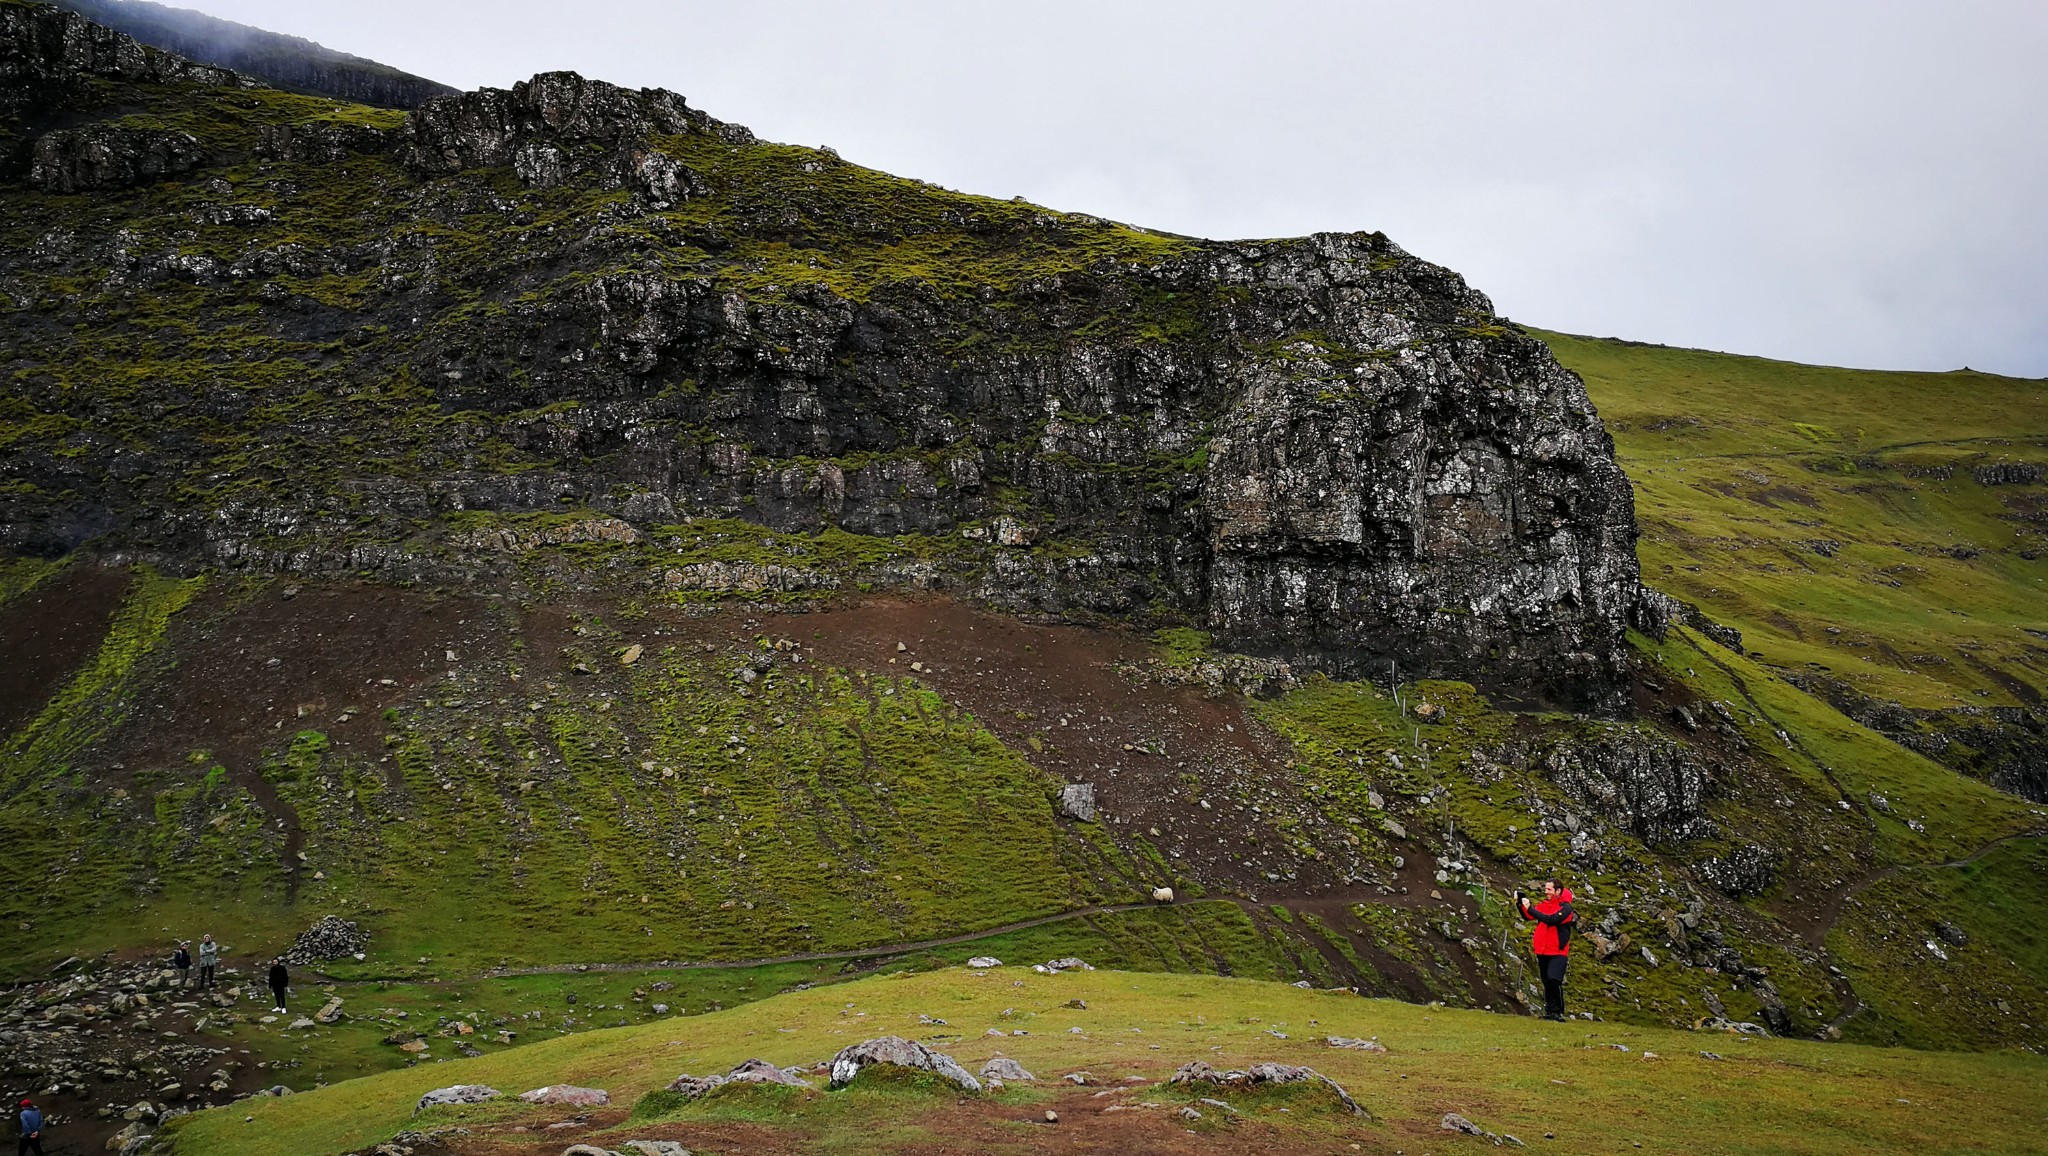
column 1749, row 869
column 1199, row 1072
column 895, row 1051
column 332, row 937
column 1007, row 1070
column 1077, row 802
column 749, row 1072
column 119, row 1034
column 1065, row 963
column 1638, row 777
column 330, row 1012
column 456, row 1094
column 1372, row 1045
column 2007, row 474
column 568, row 1095
column 984, row 961
column 1655, row 612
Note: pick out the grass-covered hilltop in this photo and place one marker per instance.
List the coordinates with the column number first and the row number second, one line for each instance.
column 680, row 598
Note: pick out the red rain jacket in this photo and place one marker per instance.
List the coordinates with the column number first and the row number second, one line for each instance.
column 1553, row 919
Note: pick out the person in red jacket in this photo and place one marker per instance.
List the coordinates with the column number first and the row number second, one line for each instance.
column 1551, row 940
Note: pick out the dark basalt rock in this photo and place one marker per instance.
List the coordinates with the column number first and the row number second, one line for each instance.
column 1322, row 450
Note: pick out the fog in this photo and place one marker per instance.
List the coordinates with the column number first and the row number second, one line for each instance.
column 1845, row 183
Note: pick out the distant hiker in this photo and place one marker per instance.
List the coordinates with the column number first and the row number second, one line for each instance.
column 1551, row 941
column 209, row 958
column 182, row 960
column 30, row 1122
column 280, row 982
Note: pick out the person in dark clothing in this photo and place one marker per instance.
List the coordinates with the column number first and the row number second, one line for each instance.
column 1551, row 940
column 182, row 960
column 280, row 982
column 30, row 1121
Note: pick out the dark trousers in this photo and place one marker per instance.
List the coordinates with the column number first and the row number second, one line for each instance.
column 279, row 993
column 206, row 976
column 1552, row 969
column 29, row 1144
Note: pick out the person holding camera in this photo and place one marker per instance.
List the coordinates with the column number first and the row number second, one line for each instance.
column 1551, row 940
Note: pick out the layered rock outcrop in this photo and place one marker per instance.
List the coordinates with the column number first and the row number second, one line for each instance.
column 1322, row 450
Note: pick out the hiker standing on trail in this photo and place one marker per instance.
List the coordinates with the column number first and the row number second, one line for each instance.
column 209, row 958
column 182, row 960
column 1551, row 940
column 280, row 982
column 30, row 1122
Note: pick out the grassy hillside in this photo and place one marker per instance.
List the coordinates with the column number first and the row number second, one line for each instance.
column 1592, row 1087
column 1860, row 524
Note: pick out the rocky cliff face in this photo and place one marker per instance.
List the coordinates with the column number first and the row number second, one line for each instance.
column 570, row 295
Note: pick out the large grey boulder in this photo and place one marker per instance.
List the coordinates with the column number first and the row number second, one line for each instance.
column 897, row 1052
column 456, row 1094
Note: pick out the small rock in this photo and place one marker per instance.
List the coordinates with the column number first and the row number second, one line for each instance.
column 1452, row 1122
column 1051, row 1117
column 1079, row 1079
column 1358, row 1045
column 631, row 654
column 984, row 961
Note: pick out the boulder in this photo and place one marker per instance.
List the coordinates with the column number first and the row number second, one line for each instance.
column 568, row 1095
column 456, row 1094
column 1066, row 963
column 897, row 1052
column 1077, row 802
column 1358, row 1045
column 750, row 1072
column 1262, row 1075
column 984, row 961
column 1007, row 1070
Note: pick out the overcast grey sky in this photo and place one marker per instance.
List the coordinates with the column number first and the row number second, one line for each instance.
column 1857, row 183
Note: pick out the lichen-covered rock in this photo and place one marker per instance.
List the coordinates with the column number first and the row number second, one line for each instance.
column 1199, row 1072
column 98, row 157
column 750, row 1072
column 456, row 1094
column 1007, row 1070
column 568, row 1095
column 897, row 1052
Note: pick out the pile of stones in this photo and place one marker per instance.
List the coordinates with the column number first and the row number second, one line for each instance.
column 331, row 938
